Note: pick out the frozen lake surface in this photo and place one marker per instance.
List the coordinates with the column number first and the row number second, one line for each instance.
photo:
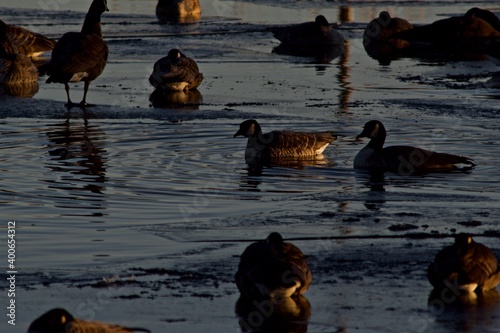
column 136, row 210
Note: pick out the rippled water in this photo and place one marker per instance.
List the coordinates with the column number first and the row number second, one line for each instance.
column 129, row 185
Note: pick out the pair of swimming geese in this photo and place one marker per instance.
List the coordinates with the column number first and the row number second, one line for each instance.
column 276, row 270
column 405, row 160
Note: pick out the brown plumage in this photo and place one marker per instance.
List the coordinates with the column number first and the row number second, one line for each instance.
column 16, row 68
column 176, row 72
column 477, row 28
column 319, row 33
column 183, row 11
column 466, row 265
column 405, row 160
column 80, row 56
column 378, row 35
column 61, row 321
column 277, row 144
column 273, row 269
column 18, row 40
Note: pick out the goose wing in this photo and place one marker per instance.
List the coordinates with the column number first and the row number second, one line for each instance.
column 24, row 41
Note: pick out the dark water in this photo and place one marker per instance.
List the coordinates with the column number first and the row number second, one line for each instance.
column 158, row 201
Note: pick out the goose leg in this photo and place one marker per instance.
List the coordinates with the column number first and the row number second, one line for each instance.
column 83, row 103
column 66, row 87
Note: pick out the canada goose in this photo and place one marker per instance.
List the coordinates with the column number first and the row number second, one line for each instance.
column 310, row 34
column 80, row 56
column 474, row 29
column 272, row 269
column 176, row 72
column 18, row 40
column 466, row 265
column 179, row 10
column 278, row 144
column 378, row 34
column 405, row 160
column 16, row 68
column 60, row 321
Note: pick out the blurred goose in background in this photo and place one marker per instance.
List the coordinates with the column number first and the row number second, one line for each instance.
column 60, row 321
column 273, row 269
column 176, row 72
column 319, row 33
column 278, row 144
column 378, row 37
column 466, row 265
column 183, row 11
column 475, row 29
column 18, row 40
column 405, row 160
column 80, row 56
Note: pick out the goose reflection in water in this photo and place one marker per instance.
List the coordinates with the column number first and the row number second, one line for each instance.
column 464, row 312
column 285, row 315
column 182, row 100
column 75, row 150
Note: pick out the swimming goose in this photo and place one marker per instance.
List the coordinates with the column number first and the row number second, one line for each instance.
column 60, row 321
column 405, row 160
column 176, row 72
column 80, row 56
column 273, row 269
column 466, row 265
column 310, row 34
column 18, row 40
column 179, row 10
column 377, row 37
column 474, row 29
column 278, row 144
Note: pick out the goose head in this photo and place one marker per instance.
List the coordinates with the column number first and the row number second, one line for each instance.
column 99, row 7
column 248, row 128
column 274, row 238
column 54, row 320
column 463, row 241
column 321, row 20
column 373, row 129
column 174, row 55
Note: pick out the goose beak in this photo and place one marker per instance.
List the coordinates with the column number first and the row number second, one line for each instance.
column 237, row 133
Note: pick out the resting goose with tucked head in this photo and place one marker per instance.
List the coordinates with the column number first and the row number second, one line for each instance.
column 16, row 68
column 176, row 72
column 60, row 321
column 273, row 269
column 466, row 265
column 477, row 28
column 278, row 144
column 80, row 56
column 18, row 40
column 319, row 33
column 178, row 10
column 377, row 37
column 405, row 160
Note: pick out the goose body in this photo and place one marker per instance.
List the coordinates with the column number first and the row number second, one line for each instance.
column 176, row 72
column 309, row 34
column 61, row 321
column 278, row 144
column 80, row 56
column 182, row 10
column 273, row 269
column 379, row 33
column 405, row 160
column 465, row 265
column 16, row 69
column 18, row 40
column 477, row 28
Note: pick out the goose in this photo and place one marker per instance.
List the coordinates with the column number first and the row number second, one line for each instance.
column 181, row 10
column 59, row 320
column 18, row 40
column 405, row 160
column 477, row 28
column 175, row 72
column 80, row 56
column 272, row 269
column 465, row 265
column 309, row 34
column 277, row 144
column 16, row 68
column 378, row 33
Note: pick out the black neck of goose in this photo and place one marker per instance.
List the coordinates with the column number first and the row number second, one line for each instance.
column 377, row 142
column 92, row 23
